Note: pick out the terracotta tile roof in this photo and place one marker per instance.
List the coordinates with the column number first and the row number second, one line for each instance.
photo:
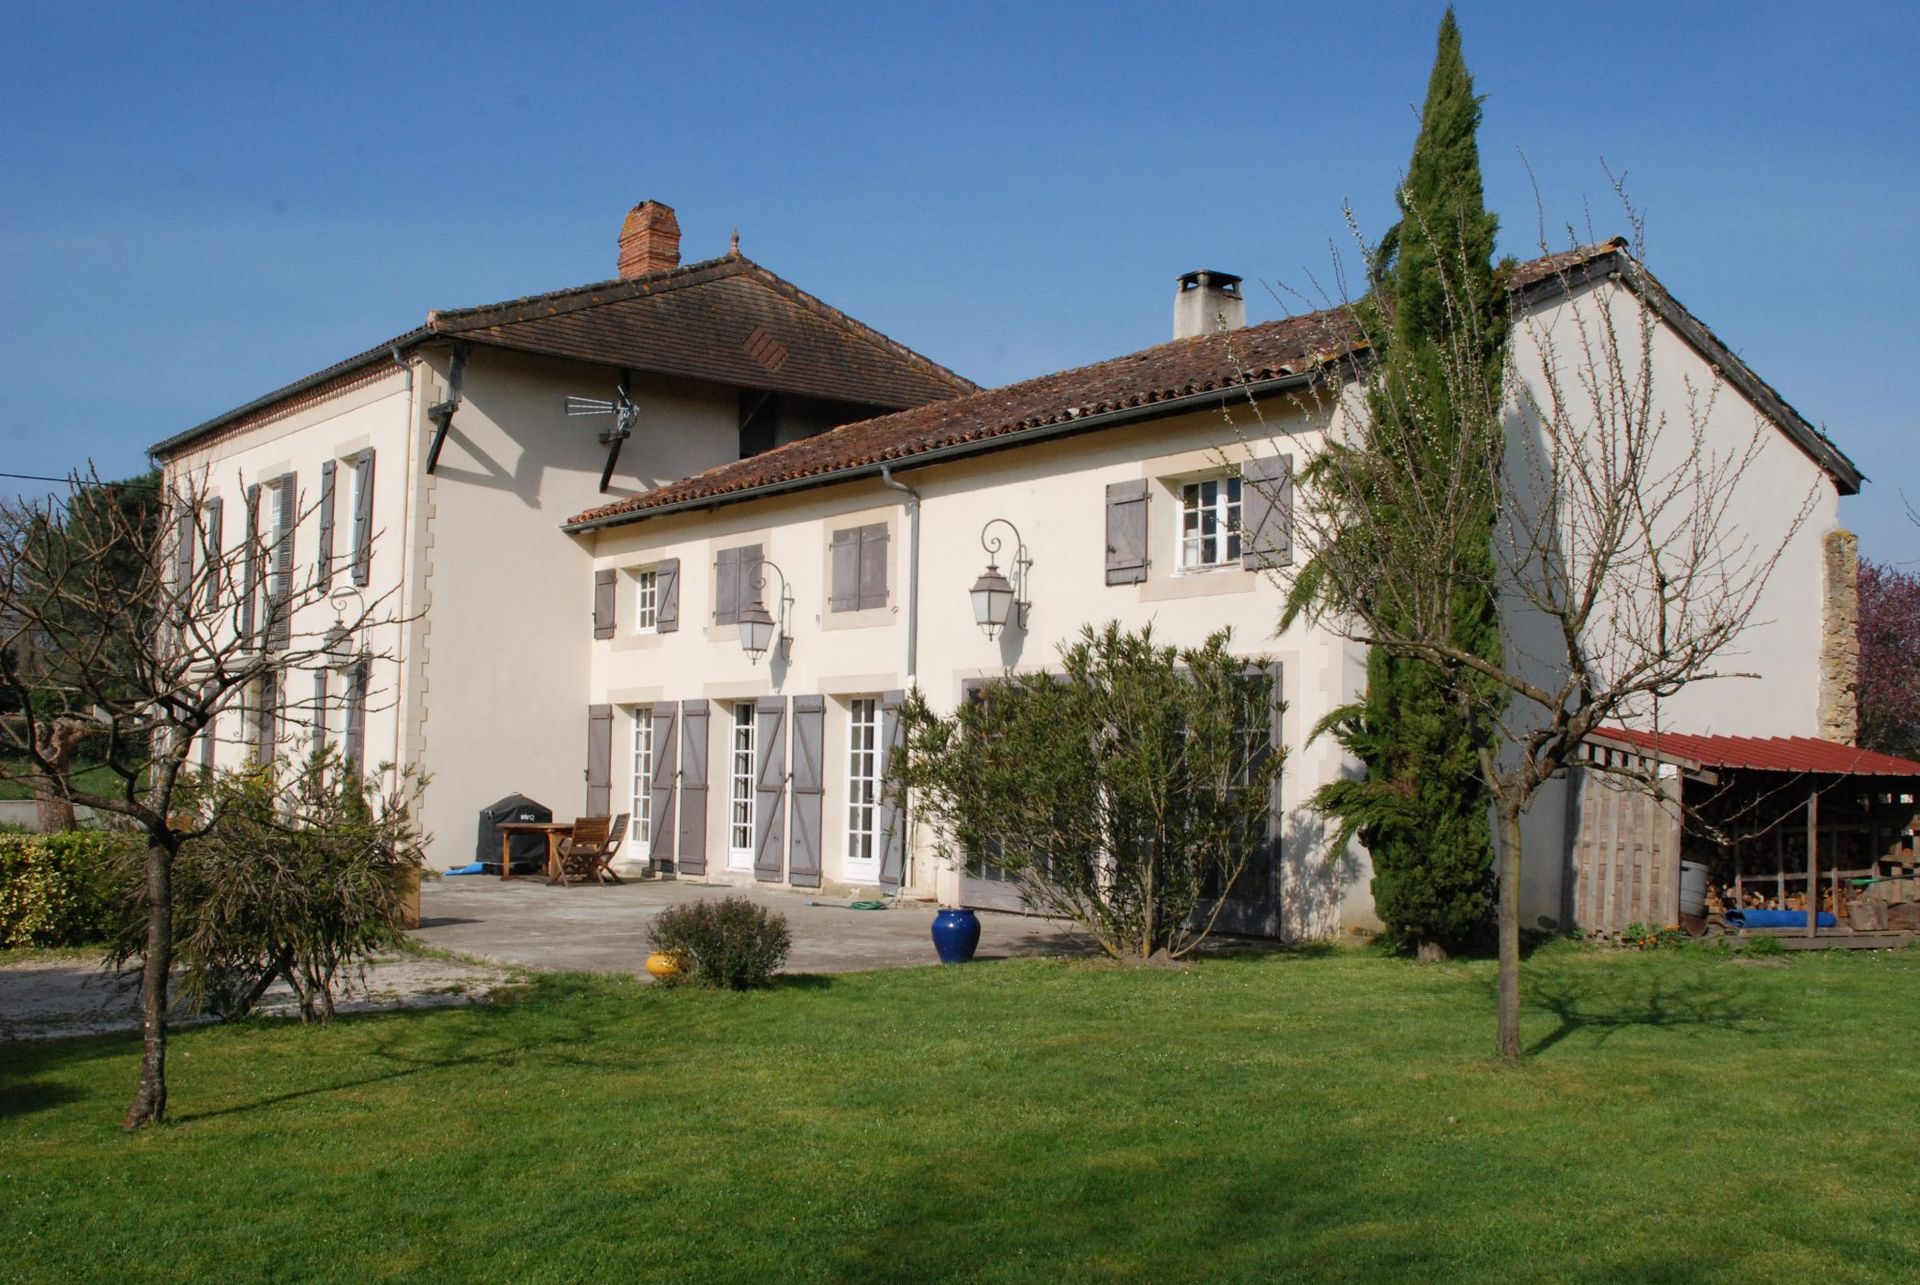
column 1183, row 368
column 728, row 320
column 1763, row 753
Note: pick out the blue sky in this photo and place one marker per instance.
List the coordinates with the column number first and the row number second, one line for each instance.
column 199, row 203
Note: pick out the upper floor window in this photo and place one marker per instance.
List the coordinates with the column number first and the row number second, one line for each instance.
column 859, row 568
column 646, row 597
column 1210, row 523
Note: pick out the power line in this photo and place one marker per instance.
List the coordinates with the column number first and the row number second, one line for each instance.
column 79, row 481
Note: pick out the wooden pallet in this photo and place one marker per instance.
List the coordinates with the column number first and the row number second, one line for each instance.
column 1828, row 938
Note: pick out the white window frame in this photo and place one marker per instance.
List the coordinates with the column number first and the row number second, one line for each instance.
column 861, row 853
column 1209, row 526
column 642, row 774
column 741, row 820
column 646, row 601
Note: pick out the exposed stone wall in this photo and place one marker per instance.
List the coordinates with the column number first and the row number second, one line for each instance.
column 1840, row 638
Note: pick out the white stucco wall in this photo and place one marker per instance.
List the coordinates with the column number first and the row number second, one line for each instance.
column 1776, row 506
column 1055, row 494
column 374, row 416
column 506, row 598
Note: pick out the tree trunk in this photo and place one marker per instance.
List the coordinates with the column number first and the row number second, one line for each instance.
column 1508, row 1042
column 57, row 741
column 53, row 813
column 150, row 1101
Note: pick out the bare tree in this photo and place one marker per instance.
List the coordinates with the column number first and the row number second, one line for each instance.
column 1625, row 561
column 142, row 634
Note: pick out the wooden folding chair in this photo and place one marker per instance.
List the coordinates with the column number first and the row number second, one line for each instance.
column 589, row 851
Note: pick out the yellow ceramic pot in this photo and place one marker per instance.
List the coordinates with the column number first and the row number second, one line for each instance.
column 661, row 964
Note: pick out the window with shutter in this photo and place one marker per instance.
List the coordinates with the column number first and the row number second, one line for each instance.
column 214, row 520
column 1268, row 513
column 323, row 557
column 1127, row 532
column 734, row 571
column 859, row 568
column 667, row 615
column 286, row 502
column 362, row 566
column 250, row 567
column 603, row 589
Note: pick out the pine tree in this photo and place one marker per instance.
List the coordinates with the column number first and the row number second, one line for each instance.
column 1423, row 809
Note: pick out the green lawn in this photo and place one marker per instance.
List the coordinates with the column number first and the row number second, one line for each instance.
column 1682, row 1116
column 97, row 779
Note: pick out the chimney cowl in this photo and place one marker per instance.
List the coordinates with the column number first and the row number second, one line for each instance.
column 649, row 240
column 1207, row 302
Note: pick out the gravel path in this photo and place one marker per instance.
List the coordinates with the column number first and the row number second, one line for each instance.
column 58, row 997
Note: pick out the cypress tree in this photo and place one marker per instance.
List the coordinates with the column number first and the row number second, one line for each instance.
column 1423, row 809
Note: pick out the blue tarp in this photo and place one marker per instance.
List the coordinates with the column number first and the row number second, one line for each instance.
column 474, row 869
column 1775, row 919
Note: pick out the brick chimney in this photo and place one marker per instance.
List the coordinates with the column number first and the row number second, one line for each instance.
column 649, row 240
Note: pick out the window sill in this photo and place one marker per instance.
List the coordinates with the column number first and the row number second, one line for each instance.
column 871, row 618
column 1200, row 583
column 638, row 642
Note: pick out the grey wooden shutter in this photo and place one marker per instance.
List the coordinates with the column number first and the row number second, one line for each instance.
column 323, row 560
column 264, row 728
column 215, row 544
column 358, row 676
column 318, row 718
column 844, row 551
column 809, row 790
column 280, row 592
column 209, row 734
column 769, row 788
column 184, row 537
column 603, row 604
column 1127, row 532
column 693, row 787
column 250, row 567
column 726, row 587
column 666, row 585
column 893, row 821
column 1266, row 512
column 666, row 758
column 873, row 566
column 599, row 760
column 362, row 568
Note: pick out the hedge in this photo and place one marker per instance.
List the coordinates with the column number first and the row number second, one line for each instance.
column 62, row 889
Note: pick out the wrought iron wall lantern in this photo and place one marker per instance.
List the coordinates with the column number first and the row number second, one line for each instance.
column 998, row 602
column 758, row 628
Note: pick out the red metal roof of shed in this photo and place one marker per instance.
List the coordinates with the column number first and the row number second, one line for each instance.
column 1762, row 753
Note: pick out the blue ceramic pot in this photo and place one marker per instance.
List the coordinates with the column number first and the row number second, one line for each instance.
column 955, row 935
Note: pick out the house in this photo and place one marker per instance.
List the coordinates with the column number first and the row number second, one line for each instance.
column 430, row 473
column 1151, row 488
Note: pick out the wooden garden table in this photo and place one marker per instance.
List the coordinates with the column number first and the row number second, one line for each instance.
column 554, row 830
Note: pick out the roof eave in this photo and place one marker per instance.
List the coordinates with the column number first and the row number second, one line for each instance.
column 383, row 352
column 956, row 450
column 1620, row 265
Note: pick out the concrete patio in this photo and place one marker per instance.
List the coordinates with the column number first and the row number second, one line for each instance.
column 529, row 923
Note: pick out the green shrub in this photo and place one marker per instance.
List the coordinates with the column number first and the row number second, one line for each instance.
column 728, row 944
column 62, row 889
column 1762, row 947
column 1647, row 937
column 301, row 876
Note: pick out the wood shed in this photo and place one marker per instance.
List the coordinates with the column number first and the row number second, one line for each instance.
column 1758, row 830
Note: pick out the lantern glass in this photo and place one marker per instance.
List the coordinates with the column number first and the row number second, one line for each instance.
column 756, row 630
column 992, row 601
